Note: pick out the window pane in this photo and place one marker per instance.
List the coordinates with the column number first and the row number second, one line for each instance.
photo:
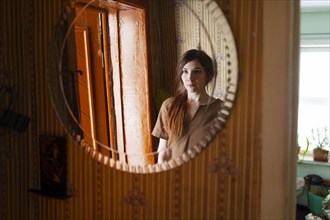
column 313, row 92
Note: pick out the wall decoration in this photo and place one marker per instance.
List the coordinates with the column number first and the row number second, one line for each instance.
column 53, row 167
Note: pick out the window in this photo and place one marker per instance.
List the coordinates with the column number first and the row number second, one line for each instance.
column 313, row 111
column 313, row 91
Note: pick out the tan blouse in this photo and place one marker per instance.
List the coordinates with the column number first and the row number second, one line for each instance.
column 197, row 127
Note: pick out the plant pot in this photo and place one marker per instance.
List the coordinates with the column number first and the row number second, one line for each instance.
column 320, row 155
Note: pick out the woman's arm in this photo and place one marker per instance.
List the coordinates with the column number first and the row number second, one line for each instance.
column 164, row 154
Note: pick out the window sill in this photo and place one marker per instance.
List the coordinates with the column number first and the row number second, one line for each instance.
column 309, row 160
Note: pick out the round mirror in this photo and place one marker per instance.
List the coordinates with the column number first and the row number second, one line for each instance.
column 112, row 65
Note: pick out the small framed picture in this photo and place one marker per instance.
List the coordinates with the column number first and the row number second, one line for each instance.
column 53, row 165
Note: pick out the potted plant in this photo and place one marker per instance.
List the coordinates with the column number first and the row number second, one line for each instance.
column 320, row 141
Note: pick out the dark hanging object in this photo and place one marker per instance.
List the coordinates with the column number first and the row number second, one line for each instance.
column 9, row 118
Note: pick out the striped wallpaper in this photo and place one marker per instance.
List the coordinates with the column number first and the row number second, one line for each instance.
column 223, row 182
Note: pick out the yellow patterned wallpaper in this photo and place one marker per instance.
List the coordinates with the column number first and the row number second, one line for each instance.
column 223, row 182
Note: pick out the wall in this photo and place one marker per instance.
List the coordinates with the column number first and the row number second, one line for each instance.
column 315, row 22
column 191, row 191
column 313, row 167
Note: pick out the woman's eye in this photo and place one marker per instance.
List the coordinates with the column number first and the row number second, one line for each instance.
column 196, row 71
column 184, row 71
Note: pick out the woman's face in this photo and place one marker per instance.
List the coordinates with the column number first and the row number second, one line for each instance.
column 194, row 77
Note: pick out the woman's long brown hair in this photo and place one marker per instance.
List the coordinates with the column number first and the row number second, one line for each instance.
column 176, row 119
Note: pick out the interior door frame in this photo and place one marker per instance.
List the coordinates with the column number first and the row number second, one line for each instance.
column 279, row 108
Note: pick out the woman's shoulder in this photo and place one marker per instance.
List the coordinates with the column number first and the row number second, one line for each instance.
column 218, row 101
column 213, row 101
column 216, row 104
column 168, row 101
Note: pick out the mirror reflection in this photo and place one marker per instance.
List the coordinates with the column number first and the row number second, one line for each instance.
column 112, row 73
column 183, row 119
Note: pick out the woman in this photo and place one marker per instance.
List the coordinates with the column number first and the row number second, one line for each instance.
column 184, row 119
